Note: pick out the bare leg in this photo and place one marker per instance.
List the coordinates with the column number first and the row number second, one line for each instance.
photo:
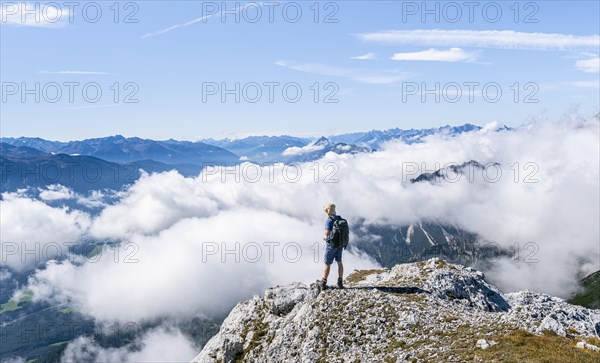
column 340, row 270
column 326, row 272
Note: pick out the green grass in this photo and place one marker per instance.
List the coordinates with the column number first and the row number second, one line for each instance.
column 12, row 305
column 67, row 310
column 522, row 346
column 97, row 250
column 360, row 275
column 59, row 343
column 260, row 329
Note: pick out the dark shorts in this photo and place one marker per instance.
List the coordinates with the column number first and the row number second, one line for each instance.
column 332, row 253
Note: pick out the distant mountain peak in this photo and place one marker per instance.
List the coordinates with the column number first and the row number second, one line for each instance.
column 449, row 173
column 116, row 137
column 322, row 141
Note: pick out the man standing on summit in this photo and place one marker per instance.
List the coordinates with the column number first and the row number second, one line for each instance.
column 336, row 236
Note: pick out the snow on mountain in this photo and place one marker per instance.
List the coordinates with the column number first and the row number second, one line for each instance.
column 259, row 149
column 375, row 138
column 319, row 148
column 409, row 233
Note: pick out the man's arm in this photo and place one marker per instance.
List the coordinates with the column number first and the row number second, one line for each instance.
column 328, row 227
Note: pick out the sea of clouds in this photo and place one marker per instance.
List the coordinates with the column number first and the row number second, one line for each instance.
column 196, row 246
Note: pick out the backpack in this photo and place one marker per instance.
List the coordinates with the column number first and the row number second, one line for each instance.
column 340, row 234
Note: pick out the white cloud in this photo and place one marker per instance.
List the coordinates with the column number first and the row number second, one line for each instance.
column 503, row 39
column 5, row 275
column 315, row 68
column 37, row 14
column 158, row 345
column 173, row 220
column 175, row 275
column 148, row 207
column 366, row 56
column 369, row 76
column 56, row 192
column 96, row 198
column 591, row 65
column 450, row 55
column 177, row 26
column 295, row 150
column 29, row 225
column 203, row 19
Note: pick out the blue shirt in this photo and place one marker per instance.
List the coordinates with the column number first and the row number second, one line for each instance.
column 329, row 222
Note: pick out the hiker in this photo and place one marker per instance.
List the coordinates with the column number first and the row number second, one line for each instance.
column 336, row 236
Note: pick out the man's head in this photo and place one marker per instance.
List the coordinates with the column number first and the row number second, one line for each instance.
column 329, row 209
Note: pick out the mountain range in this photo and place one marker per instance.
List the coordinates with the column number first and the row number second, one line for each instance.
column 375, row 138
column 387, row 244
column 589, row 294
column 319, row 148
column 115, row 161
column 390, row 245
column 260, row 148
column 188, row 155
column 24, row 167
column 119, row 149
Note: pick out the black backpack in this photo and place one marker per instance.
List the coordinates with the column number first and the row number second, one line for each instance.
column 340, row 234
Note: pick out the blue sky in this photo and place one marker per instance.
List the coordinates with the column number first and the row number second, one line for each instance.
column 374, row 57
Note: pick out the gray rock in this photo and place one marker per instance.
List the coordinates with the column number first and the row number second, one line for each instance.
column 484, row 344
column 538, row 312
column 585, row 345
column 282, row 299
column 405, row 312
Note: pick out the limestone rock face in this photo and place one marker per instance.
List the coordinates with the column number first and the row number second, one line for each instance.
column 282, row 299
column 424, row 311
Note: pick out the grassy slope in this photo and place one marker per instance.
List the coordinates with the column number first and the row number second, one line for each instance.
column 12, row 305
column 590, row 296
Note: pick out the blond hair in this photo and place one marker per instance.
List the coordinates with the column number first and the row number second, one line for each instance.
column 329, row 209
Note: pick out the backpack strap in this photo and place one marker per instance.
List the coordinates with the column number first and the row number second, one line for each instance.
column 330, row 232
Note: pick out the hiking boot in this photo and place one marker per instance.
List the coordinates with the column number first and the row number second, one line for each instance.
column 340, row 283
column 323, row 284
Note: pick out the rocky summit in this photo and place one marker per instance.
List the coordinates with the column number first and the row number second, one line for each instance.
column 429, row 311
